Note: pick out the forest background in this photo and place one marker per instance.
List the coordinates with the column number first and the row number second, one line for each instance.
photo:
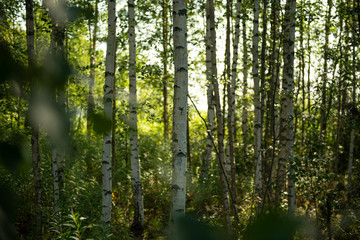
column 90, row 119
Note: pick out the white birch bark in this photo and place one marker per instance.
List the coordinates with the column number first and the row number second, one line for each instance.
column 179, row 146
column 108, row 97
column 274, row 89
column 257, row 104
column 323, row 117
column 229, row 150
column 287, row 106
column 219, row 116
column 231, row 99
column 244, row 114
column 57, row 14
column 138, row 223
column 210, row 102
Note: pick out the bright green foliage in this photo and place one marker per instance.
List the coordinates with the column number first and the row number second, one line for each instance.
column 320, row 161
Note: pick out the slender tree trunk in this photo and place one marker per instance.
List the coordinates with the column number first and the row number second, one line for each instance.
column 57, row 46
column 257, row 105
column 179, row 133
column 231, row 101
column 138, row 223
column 340, row 83
column 55, row 175
column 228, row 87
column 210, row 98
column 309, row 67
column 287, row 107
column 219, row 117
column 262, row 61
column 279, row 175
column 37, row 181
column 188, row 147
column 272, row 98
column 351, row 159
column 30, row 33
column 302, row 71
column 108, row 99
column 244, row 117
column 266, row 163
column 323, row 120
column 346, row 79
column 113, row 131
column 165, row 62
column 91, row 103
column 352, row 134
column 30, row 40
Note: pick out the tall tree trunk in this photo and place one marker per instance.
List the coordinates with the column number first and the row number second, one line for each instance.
column 272, row 99
column 229, row 152
column 210, row 98
column 30, row 40
column 344, row 68
column 266, row 163
column 323, row 119
column 287, row 106
column 108, row 99
column 219, row 117
column 244, row 115
column 231, row 100
column 257, row 105
column 179, row 146
column 58, row 96
column 352, row 110
column 263, row 63
column 138, row 223
column 165, row 62
column 308, row 46
column 279, row 175
column 91, row 103
column 302, row 72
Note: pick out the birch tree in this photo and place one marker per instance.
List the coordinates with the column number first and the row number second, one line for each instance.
column 229, row 151
column 231, row 98
column 257, row 104
column 91, row 103
column 179, row 133
column 138, row 223
column 287, row 108
column 57, row 13
column 263, row 68
column 219, row 116
column 108, row 99
column 210, row 98
column 244, row 114
column 165, row 40
column 352, row 110
column 30, row 40
column 323, row 118
column 274, row 90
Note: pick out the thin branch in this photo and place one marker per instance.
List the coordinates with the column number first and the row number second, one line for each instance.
column 218, row 155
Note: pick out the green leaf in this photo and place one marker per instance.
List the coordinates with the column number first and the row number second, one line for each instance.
column 101, row 124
